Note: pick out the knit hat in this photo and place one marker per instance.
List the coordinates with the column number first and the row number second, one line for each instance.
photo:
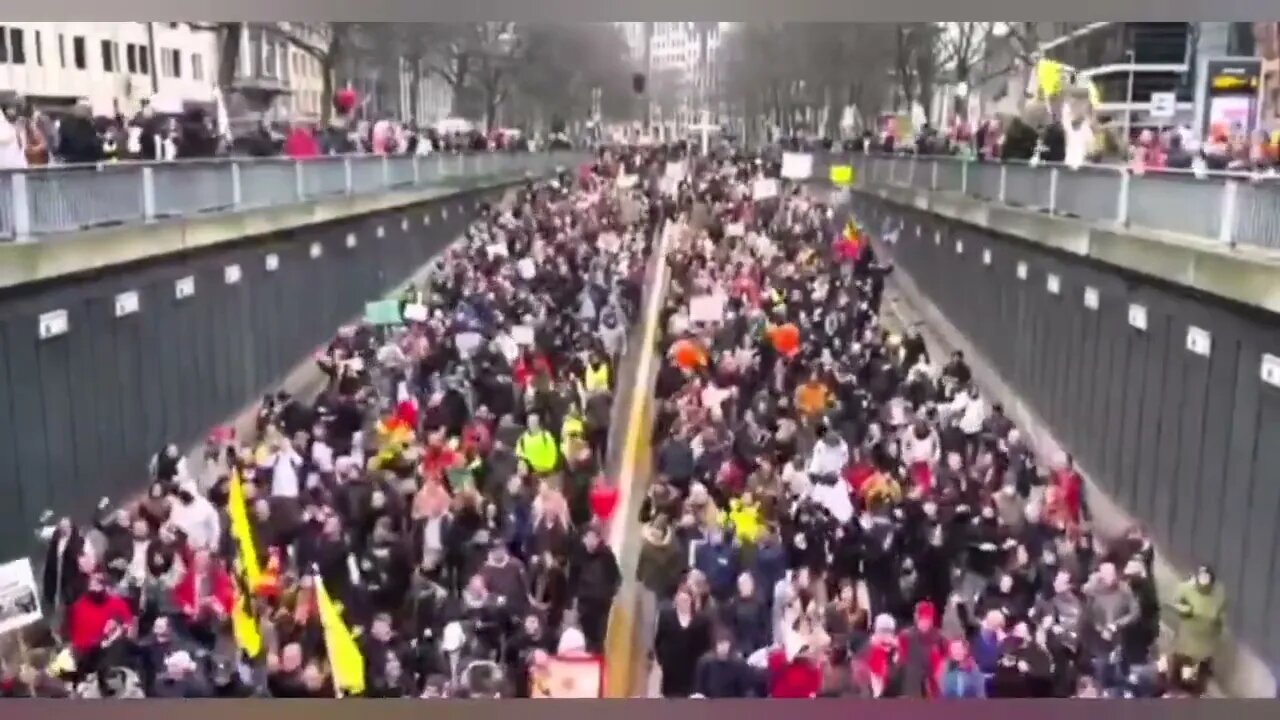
column 885, row 623
column 926, row 611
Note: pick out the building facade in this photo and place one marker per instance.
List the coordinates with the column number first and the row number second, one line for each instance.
column 1129, row 62
column 1267, row 37
column 113, row 66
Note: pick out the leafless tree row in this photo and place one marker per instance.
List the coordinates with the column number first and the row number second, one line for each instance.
column 785, row 73
column 523, row 72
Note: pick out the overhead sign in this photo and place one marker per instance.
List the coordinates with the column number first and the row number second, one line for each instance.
column 1164, row 105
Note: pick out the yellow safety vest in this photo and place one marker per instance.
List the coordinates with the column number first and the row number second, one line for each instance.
column 539, row 450
column 598, row 378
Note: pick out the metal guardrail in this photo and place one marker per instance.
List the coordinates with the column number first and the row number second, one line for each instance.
column 61, row 199
column 1232, row 208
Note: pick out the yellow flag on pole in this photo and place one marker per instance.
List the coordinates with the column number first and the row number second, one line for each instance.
column 242, row 532
column 243, row 625
column 345, row 659
column 1048, row 78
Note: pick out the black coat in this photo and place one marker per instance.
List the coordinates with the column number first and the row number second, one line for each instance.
column 63, row 582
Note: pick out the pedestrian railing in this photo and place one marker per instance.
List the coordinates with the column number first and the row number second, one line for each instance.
column 1228, row 207
column 46, row 201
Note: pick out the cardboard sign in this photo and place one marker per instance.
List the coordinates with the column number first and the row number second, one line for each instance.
column 497, row 250
column 764, row 188
column 522, row 334
column 383, row 312
column 467, row 342
column 609, row 242
column 578, row 677
column 526, row 268
column 19, row 596
column 706, row 309
column 415, row 312
column 797, row 166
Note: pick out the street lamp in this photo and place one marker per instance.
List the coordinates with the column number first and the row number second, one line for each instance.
column 1128, row 100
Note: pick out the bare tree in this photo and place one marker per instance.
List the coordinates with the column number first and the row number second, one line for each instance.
column 962, row 47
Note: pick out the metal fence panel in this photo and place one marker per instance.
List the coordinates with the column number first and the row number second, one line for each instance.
column 1176, row 202
column 1257, row 214
column 192, row 188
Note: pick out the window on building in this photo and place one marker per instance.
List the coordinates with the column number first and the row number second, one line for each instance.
column 62, row 50
column 144, row 59
column 171, row 62
column 79, row 53
column 17, row 51
column 109, row 56
column 4, row 44
column 131, row 58
column 197, row 66
column 37, row 39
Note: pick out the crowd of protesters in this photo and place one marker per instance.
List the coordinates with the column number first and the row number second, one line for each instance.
column 424, row 528
column 838, row 512
column 1053, row 137
column 31, row 138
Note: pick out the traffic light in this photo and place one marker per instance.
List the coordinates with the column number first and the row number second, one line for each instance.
column 638, row 82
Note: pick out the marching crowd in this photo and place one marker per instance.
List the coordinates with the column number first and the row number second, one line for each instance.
column 834, row 510
column 425, row 527
column 838, row 512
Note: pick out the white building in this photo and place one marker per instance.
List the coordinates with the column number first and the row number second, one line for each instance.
column 636, row 34
column 683, row 60
column 114, row 66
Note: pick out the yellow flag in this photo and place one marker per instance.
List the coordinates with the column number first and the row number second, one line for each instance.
column 244, row 626
column 242, row 531
column 841, row 175
column 1095, row 97
column 344, row 655
column 1048, row 78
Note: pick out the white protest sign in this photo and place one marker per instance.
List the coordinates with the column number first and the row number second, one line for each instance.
column 19, row 596
column 676, row 171
column 415, row 312
column 522, row 334
column 797, row 166
column 497, row 250
column 467, row 343
column 627, row 181
column 609, row 242
column 527, row 269
column 764, row 188
column 706, row 309
column 735, row 230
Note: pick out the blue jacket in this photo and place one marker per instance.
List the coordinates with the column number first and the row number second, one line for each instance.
column 986, row 651
column 719, row 562
column 768, row 567
column 961, row 684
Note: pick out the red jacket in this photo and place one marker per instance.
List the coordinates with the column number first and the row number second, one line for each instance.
column 222, row 590
column 87, row 620
column 937, row 656
column 300, row 144
column 1071, row 491
column 797, row 679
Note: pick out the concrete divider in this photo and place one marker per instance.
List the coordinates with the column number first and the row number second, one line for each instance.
column 625, row 645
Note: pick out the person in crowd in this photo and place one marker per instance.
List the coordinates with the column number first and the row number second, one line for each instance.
column 425, row 497
column 849, row 478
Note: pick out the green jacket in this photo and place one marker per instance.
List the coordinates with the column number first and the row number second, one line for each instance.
column 1202, row 617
